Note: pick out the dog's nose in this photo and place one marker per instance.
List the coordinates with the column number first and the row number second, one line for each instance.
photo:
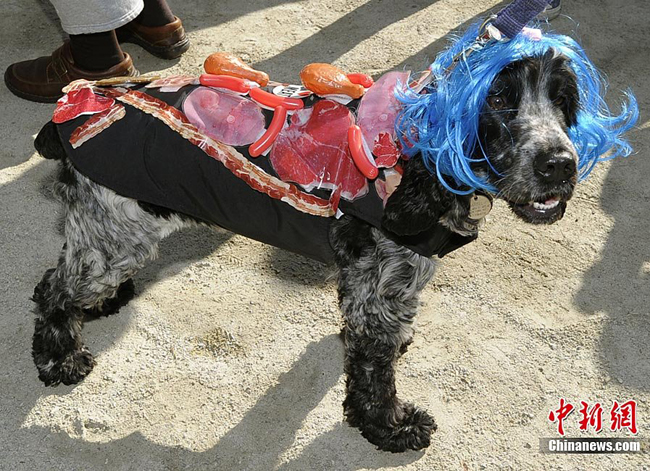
column 555, row 168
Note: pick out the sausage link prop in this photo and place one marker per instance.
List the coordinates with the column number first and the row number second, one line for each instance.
column 229, row 82
column 269, row 100
column 260, row 146
column 361, row 155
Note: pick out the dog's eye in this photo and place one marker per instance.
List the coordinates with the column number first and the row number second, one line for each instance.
column 496, row 102
column 559, row 101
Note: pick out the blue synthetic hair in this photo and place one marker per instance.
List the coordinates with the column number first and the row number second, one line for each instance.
column 442, row 123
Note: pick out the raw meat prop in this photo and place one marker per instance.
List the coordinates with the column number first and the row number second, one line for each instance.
column 225, row 117
column 80, row 102
column 377, row 114
column 313, row 152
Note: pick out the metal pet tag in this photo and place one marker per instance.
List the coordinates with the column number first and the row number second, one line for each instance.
column 479, row 207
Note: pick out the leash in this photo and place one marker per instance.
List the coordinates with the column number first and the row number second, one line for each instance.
column 514, row 18
column 503, row 26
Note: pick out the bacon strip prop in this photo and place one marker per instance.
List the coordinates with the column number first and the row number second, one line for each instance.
column 109, row 82
column 254, row 176
column 173, row 83
column 96, row 124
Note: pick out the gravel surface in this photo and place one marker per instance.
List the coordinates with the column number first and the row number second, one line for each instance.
column 229, row 357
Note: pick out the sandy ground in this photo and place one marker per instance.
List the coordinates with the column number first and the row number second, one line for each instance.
column 229, row 358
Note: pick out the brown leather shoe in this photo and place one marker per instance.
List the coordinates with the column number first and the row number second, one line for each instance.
column 167, row 42
column 42, row 79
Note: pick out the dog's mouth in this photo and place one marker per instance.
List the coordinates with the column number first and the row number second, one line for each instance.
column 544, row 211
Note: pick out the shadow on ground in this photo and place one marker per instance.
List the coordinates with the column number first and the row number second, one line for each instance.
column 245, row 446
column 619, row 283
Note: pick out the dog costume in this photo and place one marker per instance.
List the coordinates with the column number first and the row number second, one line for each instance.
column 141, row 157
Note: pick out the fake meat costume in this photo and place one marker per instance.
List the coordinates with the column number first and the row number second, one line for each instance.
column 187, row 149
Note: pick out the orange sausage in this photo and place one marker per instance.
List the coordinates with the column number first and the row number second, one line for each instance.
column 222, row 63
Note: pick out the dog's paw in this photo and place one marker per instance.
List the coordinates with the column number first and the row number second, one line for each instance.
column 124, row 294
column 412, row 429
column 74, row 367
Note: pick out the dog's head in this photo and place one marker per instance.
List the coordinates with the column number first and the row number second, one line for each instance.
column 523, row 119
column 524, row 150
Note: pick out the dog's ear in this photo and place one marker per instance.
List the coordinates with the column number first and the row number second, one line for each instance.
column 417, row 203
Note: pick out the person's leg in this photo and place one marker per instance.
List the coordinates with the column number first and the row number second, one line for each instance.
column 92, row 53
column 155, row 13
column 95, row 16
column 97, row 51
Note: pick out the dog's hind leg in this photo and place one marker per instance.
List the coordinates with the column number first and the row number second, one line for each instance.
column 108, row 238
column 379, row 285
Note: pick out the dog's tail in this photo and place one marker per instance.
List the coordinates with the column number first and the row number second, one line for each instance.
column 48, row 143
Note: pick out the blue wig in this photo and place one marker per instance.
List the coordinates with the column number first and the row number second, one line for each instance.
column 442, row 124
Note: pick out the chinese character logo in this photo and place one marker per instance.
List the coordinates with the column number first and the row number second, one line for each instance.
column 560, row 414
column 591, row 417
column 622, row 416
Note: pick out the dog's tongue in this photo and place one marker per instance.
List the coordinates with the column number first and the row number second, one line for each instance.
column 550, row 201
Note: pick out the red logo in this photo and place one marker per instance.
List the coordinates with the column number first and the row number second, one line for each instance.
column 591, row 417
column 623, row 416
column 560, row 414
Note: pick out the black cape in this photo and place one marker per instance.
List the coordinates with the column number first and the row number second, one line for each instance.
column 140, row 157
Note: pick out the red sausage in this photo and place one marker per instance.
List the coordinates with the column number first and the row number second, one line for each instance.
column 258, row 147
column 273, row 101
column 235, row 84
column 361, row 79
column 361, row 155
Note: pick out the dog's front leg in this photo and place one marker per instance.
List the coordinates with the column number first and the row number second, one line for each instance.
column 379, row 286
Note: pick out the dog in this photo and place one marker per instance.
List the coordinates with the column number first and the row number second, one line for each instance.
column 526, row 127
